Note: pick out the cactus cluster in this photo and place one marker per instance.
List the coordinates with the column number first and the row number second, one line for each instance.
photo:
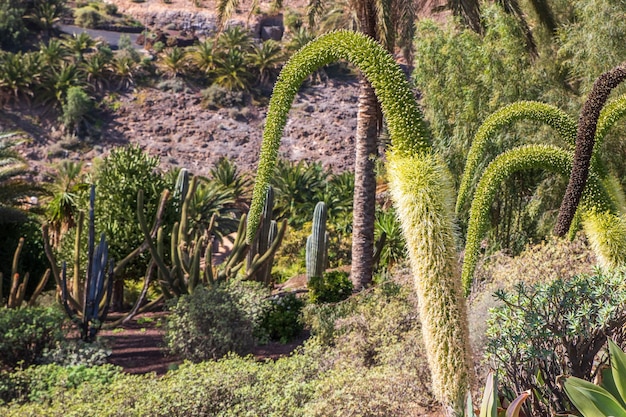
column 17, row 289
column 317, row 244
column 191, row 252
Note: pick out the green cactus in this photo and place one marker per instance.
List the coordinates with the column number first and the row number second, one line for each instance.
column 550, row 158
column 266, row 236
column 552, row 116
column 186, row 270
column 317, row 244
column 422, row 191
column 17, row 290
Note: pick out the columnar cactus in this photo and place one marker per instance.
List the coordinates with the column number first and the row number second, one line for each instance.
column 268, row 236
column 421, row 188
column 317, row 244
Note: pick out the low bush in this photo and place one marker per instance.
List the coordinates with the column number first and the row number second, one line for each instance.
column 216, row 97
column 213, row 321
column 26, row 333
column 544, row 330
column 282, row 320
column 76, row 353
column 44, row 382
column 87, row 17
column 332, row 287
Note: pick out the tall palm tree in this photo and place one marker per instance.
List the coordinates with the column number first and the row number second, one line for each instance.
column 382, row 20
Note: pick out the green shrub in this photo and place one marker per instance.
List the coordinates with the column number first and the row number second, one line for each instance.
column 332, row 287
column 545, row 330
column 26, row 332
column 208, row 324
column 283, row 319
column 44, row 382
column 76, row 109
column 87, row 17
column 76, row 353
column 216, row 97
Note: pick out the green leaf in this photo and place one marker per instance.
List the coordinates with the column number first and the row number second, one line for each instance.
column 618, row 371
column 592, row 400
column 489, row 406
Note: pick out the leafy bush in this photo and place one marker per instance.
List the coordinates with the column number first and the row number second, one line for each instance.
column 211, row 322
column 87, row 17
column 216, row 97
column 332, row 287
column 76, row 353
column 548, row 329
column 282, row 320
column 76, row 109
column 26, row 332
column 44, row 382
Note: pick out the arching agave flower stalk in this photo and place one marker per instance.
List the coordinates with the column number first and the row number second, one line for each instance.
column 420, row 186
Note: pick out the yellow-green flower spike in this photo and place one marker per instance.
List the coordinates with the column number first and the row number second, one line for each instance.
column 550, row 158
column 422, row 190
column 407, row 129
column 552, row 116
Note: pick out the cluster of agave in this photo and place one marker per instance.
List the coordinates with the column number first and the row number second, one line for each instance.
column 422, row 190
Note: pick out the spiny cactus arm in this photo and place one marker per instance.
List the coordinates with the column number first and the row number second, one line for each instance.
column 262, row 259
column 550, row 158
column 585, row 140
column 407, row 129
column 194, row 267
column 56, row 273
column 610, row 114
column 316, row 244
column 550, row 115
column 76, row 293
column 158, row 258
column 238, row 254
column 158, row 218
column 42, row 283
column 16, row 294
column 422, row 190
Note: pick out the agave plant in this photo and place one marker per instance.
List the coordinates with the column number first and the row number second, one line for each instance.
column 606, row 399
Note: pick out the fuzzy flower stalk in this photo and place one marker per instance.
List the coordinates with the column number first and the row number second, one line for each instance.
column 421, row 188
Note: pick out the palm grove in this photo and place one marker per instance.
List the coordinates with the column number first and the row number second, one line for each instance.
column 500, row 91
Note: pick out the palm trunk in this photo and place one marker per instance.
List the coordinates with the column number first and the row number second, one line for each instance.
column 364, row 207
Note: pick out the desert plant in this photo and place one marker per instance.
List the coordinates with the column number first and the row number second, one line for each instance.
column 420, row 186
column 490, row 406
column 94, row 305
column 317, row 244
column 207, row 324
column 17, row 289
column 606, row 399
column 527, row 157
column 585, row 140
column 543, row 330
column 77, row 107
column 173, row 61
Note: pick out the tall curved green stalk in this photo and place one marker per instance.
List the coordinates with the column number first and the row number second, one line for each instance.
column 422, row 191
column 552, row 116
column 610, row 114
column 547, row 157
column 407, row 129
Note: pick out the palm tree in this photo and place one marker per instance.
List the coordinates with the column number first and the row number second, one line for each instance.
column 46, row 14
column 231, row 71
column 13, row 189
column 61, row 209
column 173, row 61
column 374, row 18
column 203, row 55
column 265, row 58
